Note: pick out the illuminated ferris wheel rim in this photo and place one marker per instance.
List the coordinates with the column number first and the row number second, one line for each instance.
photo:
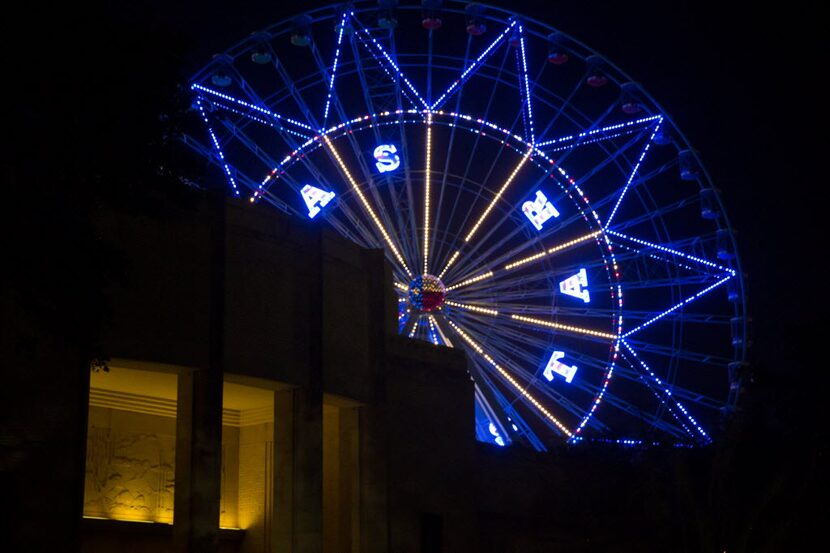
column 518, row 145
column 313, row 137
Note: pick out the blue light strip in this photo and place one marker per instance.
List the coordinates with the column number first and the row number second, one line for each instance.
column 671, row 251
column 218, row 149
column 334, row 66
column 523, row 70
column 607, row 380
column 249, row 105
column 259, row 120
column 634, row 172
column 668, row 393
column 472, row 67
column 433, row 334
column 565, row 147
column 601, row 130
column 385, row 55
column 665, row 390
column 678, row 306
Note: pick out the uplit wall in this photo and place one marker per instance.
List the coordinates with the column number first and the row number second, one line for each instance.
column 130, row 465
column 131, row 451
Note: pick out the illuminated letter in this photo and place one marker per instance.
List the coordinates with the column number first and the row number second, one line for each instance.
column 572, row 286
column 315, row 198
column 498, row 439
column 539, row 210
column 387, row 158
column 554, row 366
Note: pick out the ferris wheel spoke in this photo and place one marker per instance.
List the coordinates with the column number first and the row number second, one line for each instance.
column 472, row 68
column 679, row 431
column 677, row 306
column 564, row 328
column 527, row 366
column 389, row 65
column 446, row 172
column 665, row 393
column 254, row 112
column 494, row 310
column 495, row 199
column 517, row 387
column 648, row 247
column 465, row 178
column 562, row 159
column 551, row 395
column 610, row 196
column 525, row 114
column 340, row 30
column 357, row 151
column 368, row 237
column 598, row 135
column 524, row 88
column 368, row 208
column 293, row 91
column 512, row 262
column 427, row 183
column 495, row 255
column 562, row 106
column 677, row 392
column 502, row 232
column 612, row 157
column 398, row 224
column 683, row 354
column 634, row 172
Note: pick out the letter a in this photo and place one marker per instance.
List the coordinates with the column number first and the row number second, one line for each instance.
column 315, row 198
column 573, row 286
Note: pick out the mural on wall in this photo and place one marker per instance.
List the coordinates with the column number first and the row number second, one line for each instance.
column 129, row 475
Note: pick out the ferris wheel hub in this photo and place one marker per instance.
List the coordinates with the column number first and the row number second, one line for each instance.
column 427, row 293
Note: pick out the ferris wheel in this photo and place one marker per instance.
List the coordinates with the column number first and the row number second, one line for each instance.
column 538, row 207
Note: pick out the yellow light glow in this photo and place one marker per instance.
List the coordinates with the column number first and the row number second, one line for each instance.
column 498, row 195
column 474, row 308
column 552, row 250
column 366, row 205
column 488, row 274
column 427, row 181
column 450, row 262
column 432, row 327
column 566, row 328
column 510, row 379
column 401, row 286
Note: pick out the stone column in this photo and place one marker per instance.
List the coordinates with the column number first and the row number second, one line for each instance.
column 199, row 414
column 298, row 472
column 298, row 434
column 198, row 461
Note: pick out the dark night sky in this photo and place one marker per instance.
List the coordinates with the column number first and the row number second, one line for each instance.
column 741, row 81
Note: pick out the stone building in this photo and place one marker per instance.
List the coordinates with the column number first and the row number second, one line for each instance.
column 257, row 398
